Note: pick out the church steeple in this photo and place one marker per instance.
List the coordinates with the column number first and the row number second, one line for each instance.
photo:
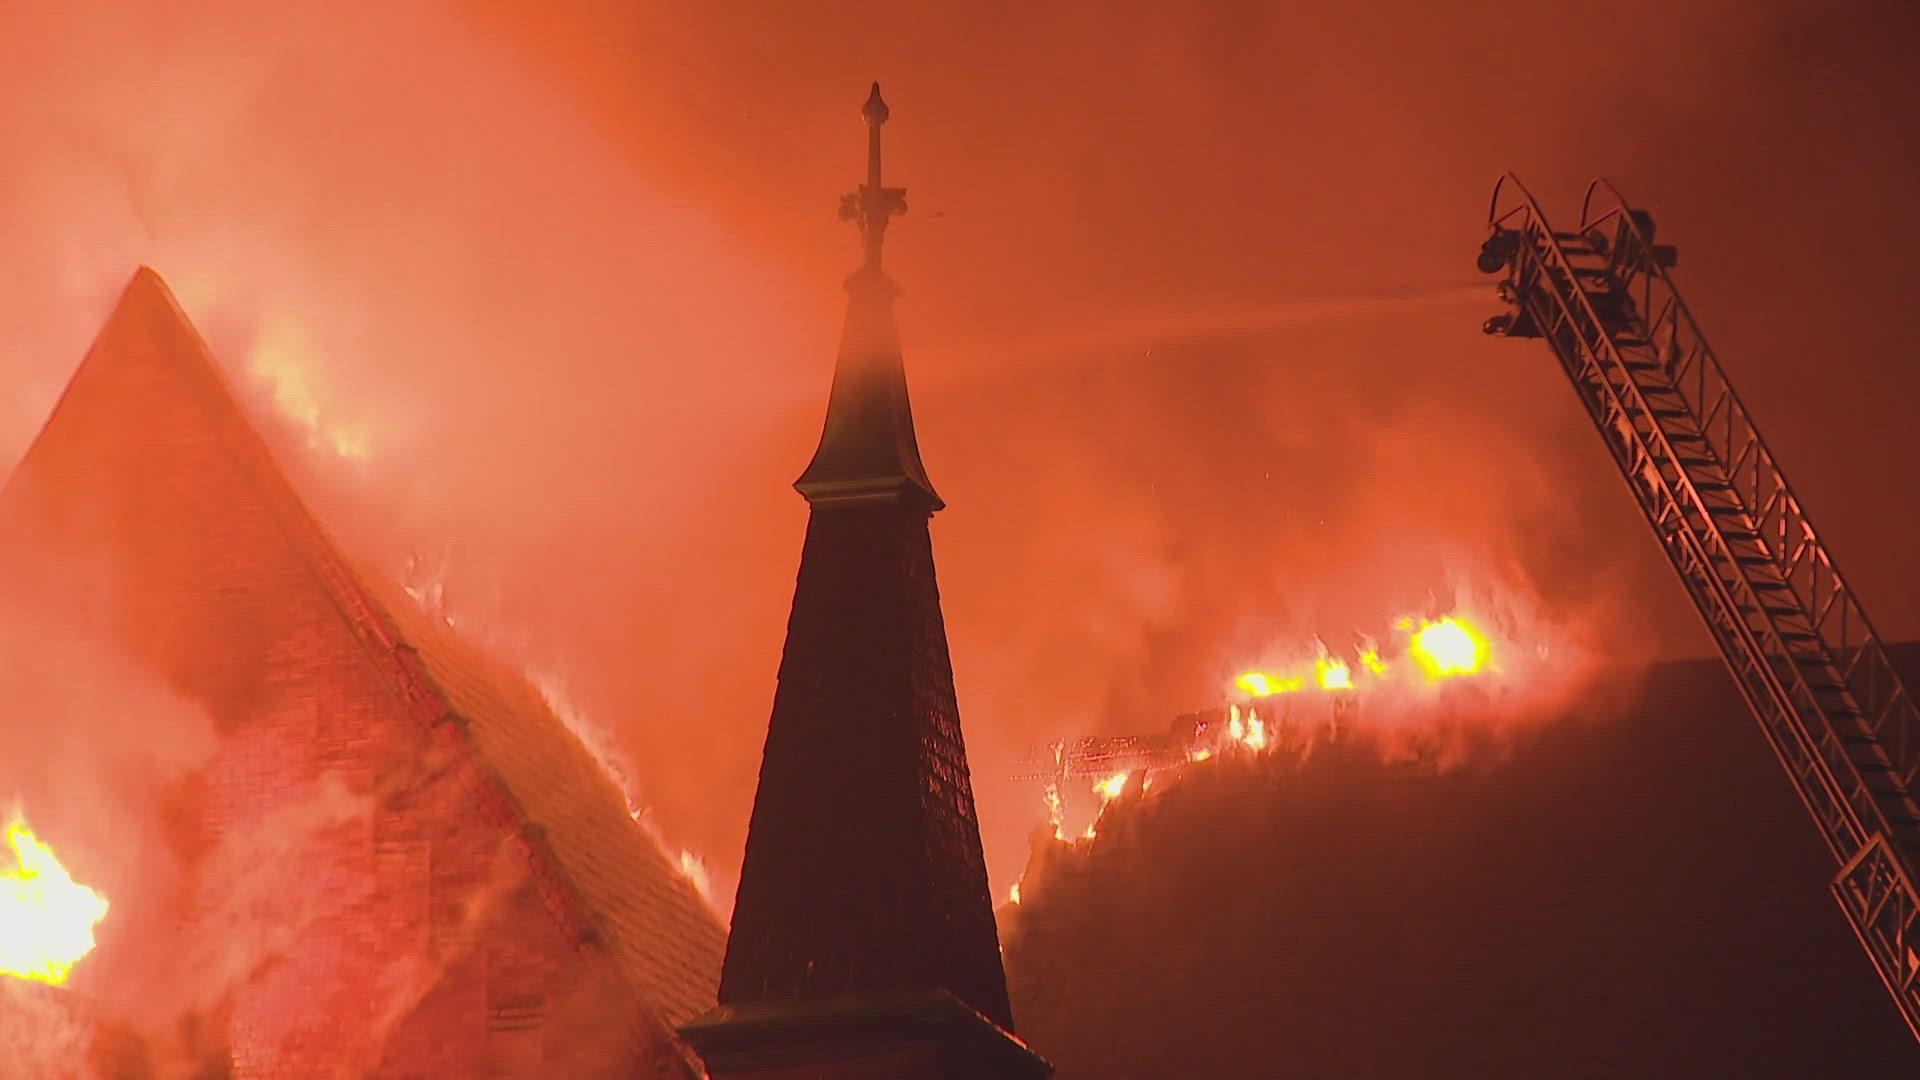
column 863, row 939
column 867, row 451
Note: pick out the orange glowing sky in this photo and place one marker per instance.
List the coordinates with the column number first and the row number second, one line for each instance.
column 1191, row 315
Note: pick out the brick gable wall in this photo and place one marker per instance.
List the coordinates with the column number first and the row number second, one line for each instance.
column 361, row 880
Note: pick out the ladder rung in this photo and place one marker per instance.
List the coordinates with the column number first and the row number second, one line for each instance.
column 1886, row 791
column 1854, row 740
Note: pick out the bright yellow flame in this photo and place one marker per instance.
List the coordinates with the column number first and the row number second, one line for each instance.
column 1333, row 674
column 46, row 918
column 1448, row 647
column 1262, row 684
column 1370, row 659
column 1013, row 894
column 1112, row 786
column 1202, row 754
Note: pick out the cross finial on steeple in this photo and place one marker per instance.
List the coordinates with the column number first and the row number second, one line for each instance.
column 874, row 203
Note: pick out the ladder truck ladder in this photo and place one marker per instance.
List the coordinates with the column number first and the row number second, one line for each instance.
column 1807, row 661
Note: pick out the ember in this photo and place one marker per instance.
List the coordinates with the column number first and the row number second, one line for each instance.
column 46, row 918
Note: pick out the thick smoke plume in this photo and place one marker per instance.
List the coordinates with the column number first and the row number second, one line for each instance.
column 551, row 289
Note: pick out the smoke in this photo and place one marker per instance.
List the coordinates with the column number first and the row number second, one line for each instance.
column 552, row 290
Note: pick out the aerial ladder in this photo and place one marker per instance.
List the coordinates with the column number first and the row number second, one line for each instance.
column 1807, row 661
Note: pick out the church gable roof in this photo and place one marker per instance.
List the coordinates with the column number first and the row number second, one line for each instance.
column 148, row 408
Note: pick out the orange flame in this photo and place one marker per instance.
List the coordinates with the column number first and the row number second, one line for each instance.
column 694, row 869
column 1440, row 649
column 283, row 358
column 1250, row 732
column 1380, row 690
column 46, row 918
column 1261, row 684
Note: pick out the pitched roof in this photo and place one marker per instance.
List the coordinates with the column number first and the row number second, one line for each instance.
column 149, row 449
column 1623, row 896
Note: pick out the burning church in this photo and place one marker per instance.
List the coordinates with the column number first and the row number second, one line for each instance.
column 393, row 859
column 396, row 860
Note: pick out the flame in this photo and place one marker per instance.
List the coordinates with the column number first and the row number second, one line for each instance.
column 282, row 358
column 1250, row 732
column 1013, row 894
column 1332, row 674
column 1382, row 694
column 694, row 869
column 1448, row 647
column 46, row 918
column 1440, row 649
column 1262, row 684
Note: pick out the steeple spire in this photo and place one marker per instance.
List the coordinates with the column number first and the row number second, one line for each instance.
column 867, row 452
column 863, row 940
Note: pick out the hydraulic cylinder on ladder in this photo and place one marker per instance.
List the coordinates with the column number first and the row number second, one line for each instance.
column 1806, row 659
